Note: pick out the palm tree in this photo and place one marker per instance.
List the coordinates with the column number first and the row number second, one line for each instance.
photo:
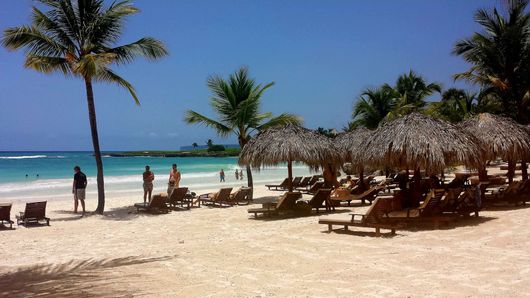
column 455, row 105
column 500, row 57
column 236, row 102
column 195, row 145
column 411, row 93
column 209, row 143
column 77, row 39
column 373, row 106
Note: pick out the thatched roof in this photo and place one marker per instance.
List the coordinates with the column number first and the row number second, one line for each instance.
column 289, row 143
column 499, row 136
column 349, row 143
column 416, row 140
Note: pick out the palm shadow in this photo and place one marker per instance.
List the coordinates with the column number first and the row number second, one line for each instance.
column 75, row 278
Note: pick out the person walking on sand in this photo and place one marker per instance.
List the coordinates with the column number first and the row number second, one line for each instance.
column 241, row 175
column 78, row 188
column 174, row 179
column 222, row 176
column 237, row 174
column 148, row 177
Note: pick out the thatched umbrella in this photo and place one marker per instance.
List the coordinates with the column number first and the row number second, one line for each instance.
column 289, row 144
column 417, row 141
column 350, row 145
column 499, row 137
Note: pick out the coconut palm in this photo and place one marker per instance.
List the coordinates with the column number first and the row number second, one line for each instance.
column 78, row 39
column 236, row 102
column 455, row 105
column 195, row 145
column 500, row 57
column 411, row 93
column 373, row 106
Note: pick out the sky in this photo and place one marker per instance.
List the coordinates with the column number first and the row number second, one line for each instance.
column 320, row 54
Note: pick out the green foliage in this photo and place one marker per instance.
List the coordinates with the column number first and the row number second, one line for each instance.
column 216, row 148
column 330, row 132
column 77, row 38
column 373, row 106
column 500, row 57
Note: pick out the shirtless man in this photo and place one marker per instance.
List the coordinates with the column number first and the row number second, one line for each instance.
column 148, row 177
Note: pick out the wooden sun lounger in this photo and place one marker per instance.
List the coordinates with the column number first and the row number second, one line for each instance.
column 517, row 192
column 372, row 219
column 304, row 183
column 34, row 212
column 285, row 202
column 429, row 211
column 158, row 203
column 321, row 200
column 312, row 180
column 282, row 186
column 178, row 198
column 5, row 214
column 241, row 197
column 315, row 187
column 220, row 198
column 296, row 181
column 369, row 195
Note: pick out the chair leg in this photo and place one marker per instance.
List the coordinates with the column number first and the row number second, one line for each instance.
column 377, row 232
column 393, row 231
column 330, row 228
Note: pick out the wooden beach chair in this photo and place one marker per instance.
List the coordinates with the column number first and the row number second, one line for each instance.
column 33, row 213
column 5, row 214
column 286, row 202
column 303, row 184
column 178, row 198
column 429, row 211
column 158, row 203
column 220, row 198
column 321, row 200
column 315, row 187
column 312, row 180
column 514, row 193
column 374, row 218
column 296, row 181
column 369, row 195
column 282, row 186
column 241, row 197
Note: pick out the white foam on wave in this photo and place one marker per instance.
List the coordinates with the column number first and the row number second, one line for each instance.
column 23, row 157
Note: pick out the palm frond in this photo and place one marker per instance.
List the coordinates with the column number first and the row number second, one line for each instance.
column 107, row 75
column 192, row 117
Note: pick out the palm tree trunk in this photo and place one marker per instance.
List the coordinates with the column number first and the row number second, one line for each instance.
column 524, row 170
column 511, row 171
column 95, row 143
column 250, row 181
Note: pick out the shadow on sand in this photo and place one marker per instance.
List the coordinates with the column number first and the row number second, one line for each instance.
column 72, row 279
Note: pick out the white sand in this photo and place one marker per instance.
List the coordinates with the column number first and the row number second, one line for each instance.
column 223, row 253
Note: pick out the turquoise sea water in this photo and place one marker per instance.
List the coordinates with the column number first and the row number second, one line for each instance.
column 123, row 175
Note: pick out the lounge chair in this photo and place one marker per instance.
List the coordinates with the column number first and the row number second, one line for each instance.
column 321, row 200
column 469, row 202
column 296, row 181
column 315, row 187
column 515, row 193
column 282, row 186
column 286, row 202
column 178, row 198
column 374, row 218
column 241, row 197
column 34, row 212
column 303, row 184
column 429, row 211
column 158, row 203
column 368, row 195
column 5, row 214
column 220, row 198
column 312, row 180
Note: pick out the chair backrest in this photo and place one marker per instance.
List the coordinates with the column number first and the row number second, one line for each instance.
column 312, row 180
column 432, row 202
column 320, row 197
column 241, row 194
column 178, row 194
column 377, row 210
column 158, row 201
column 304, row 182
column 223, row 195
column 368, row 179
column 450, row 198
column 296, row 181
column 35, row 210
column 5, row 212
column 318, row 185
column 372, row 191
column 287, row 201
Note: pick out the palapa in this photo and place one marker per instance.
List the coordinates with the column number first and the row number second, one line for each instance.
column 350, row 145
column 419, row 141
column 289, row 144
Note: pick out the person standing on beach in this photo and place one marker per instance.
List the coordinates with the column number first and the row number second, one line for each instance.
column 222, row 176
column 174, row 179
column 148, row 177
column 241, row 175
column 78, row 188
column 237, row 174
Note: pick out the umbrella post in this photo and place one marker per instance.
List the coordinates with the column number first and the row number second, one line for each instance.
column 524, row 170
column 511, row 171
column 290, row 175
column 361, row 178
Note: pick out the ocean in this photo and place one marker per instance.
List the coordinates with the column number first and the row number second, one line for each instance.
column 27, row 176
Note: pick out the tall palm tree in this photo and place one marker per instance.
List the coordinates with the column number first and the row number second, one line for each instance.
column 500, row 57
column 412, row 91
column 195, row 145
column 373, row 106
column 236, row 102
column 455, row 105
column 77, row 38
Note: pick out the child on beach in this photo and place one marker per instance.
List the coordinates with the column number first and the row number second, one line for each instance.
column 148, row 177
column 222, row 176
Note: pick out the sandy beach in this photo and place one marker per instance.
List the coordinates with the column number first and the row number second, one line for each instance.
column 224, row 253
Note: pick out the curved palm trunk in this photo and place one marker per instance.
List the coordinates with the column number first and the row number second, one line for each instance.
column 250, row 181
column 95, row 143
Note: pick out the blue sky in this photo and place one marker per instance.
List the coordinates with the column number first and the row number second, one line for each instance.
column 320, row 54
